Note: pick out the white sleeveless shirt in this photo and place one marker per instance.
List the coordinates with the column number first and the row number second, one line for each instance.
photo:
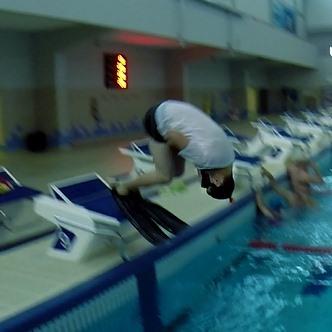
column 208, row 145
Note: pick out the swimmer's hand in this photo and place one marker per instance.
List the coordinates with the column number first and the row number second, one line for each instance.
column 122, row 189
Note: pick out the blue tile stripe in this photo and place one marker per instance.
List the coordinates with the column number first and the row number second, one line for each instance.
column 16, row 138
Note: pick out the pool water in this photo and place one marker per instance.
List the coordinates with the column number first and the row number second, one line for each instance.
column 273, row 290
column 269, row 292
column 308, row 226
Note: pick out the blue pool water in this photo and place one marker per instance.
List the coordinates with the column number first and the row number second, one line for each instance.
column 271, row 290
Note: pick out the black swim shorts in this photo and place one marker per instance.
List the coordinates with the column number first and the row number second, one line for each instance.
column 150, row 125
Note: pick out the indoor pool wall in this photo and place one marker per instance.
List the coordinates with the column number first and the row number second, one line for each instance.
column 157, row 289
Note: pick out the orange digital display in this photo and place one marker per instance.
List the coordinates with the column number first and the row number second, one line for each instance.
column 116, row 71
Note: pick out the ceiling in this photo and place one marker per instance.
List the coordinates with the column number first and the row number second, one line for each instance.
column 30, row 23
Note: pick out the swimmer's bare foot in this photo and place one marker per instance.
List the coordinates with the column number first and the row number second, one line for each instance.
column 119, row 186
column 112, row 181
column 122, row 189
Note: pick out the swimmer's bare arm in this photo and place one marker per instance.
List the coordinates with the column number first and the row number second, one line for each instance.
column 316, row 170
column 144, row 180
column 176, row 140
column 310, row 179
column 283, row 192
column 262, row 207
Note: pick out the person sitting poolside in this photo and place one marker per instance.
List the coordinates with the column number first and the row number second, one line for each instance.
column 272, row 211
column 302, row 174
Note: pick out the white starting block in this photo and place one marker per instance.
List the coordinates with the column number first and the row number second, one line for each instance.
column 81, row 233
column 86, row 215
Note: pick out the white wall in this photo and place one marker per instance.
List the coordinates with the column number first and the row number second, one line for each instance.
column 207, row 82
column 16, row 60
column 307, row 82
column 301, row 21
column 289, row 3
column 47, row 82
column 208, row 74
column 249, row 37
column 318, row 15
column 17, row 82
column 325, row 70
column 322, row 41
column 46, row 119
column 157, row 16
column 204, row 25
column 300, row 6
column 256, row 77
column 85, row 66
column 301, row 27
column 229, row 4
column 248, row 73
column 85, row 80
column 186, row 21
column 293, row 78
column 259, row 9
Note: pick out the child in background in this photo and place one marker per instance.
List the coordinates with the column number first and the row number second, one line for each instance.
column 272, row 211
column 302, row 174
